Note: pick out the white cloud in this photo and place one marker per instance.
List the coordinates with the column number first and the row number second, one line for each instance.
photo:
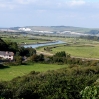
column 7, row 5
column 44, row 3
column 11, row 4
column 25, row 1
column 77, row 2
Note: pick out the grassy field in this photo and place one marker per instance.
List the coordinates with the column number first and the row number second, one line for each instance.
column 14, row 71
column 77, row 51
column 77, row 48
column 21, row 39
column 88, row 52
column 91, row 50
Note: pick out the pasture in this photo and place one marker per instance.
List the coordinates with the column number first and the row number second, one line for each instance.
column 76, row 47
column 11, row 72
column 21, row 39
column 79, row 51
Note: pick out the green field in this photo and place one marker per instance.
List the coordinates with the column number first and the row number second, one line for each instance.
column 23, row 39
column 14, row 71
column 76, row 47
column 89, row 52
column 77, row 51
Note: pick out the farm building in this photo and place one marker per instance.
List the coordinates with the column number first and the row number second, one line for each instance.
column 6, row 55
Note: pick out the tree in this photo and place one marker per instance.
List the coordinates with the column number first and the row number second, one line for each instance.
column 27, row 51
column 3, row 45
column 18, row 60
column 12, row 46
column 34, row 58
column 60, row 57
column 41, row 57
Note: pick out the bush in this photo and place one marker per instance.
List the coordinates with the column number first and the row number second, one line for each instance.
column 66, row 83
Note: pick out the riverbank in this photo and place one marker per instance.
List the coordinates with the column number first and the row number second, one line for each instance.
column 54, row 41
column 36, row 45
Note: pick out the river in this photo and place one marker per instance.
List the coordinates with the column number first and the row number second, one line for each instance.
column 44, row 44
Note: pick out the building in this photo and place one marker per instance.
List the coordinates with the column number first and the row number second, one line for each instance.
column 6, row 55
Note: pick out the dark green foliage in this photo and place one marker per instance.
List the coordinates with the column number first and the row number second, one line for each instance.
column 95, row 38
column 60, row 54
column 34, row 58
column 26, row 51
column 12, row 46
column 64, row 58
column 60, row 57
column 3, row 67
column 18, row 60
column 59, row 84
column 3, row 45
column 37, row 58
column 41, row 57
column 8, row 46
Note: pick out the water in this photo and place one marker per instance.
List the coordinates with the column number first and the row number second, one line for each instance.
column 40, row 45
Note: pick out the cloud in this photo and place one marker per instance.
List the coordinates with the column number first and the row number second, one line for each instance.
column 11, row 4
column 39, row 3
column 7, row 5
column 25, row 1
column 77, row 2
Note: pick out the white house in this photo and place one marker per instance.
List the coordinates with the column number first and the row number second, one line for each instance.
column 6, row 55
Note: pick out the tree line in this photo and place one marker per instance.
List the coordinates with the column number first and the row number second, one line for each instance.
column 95, row 38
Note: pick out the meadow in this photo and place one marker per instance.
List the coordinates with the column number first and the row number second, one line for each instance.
column 76, row 47
column 23, row 39
column 11, row 72
column 82, row 51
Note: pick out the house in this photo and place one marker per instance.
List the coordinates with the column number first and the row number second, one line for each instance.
column 6, row 55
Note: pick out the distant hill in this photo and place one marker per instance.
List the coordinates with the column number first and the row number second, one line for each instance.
column 55, row 28
column 59, row 28
column 65, row 30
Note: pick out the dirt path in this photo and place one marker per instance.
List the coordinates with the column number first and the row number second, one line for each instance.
column 44, row 53
column 83, row 58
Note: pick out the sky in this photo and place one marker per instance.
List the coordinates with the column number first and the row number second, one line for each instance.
column 78, row 13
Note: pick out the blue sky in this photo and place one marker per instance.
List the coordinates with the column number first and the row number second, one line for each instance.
column 79, row 13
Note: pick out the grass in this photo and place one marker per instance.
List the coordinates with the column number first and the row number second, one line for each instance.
column 24, row 39
column 79, row 51
column 77, row 48
column 7, row 74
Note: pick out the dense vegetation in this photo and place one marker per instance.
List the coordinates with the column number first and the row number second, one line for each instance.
column 8, row 46
column 3, row 45
column 59, row 84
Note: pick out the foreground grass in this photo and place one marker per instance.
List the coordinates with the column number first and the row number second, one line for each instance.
column 14, row 71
